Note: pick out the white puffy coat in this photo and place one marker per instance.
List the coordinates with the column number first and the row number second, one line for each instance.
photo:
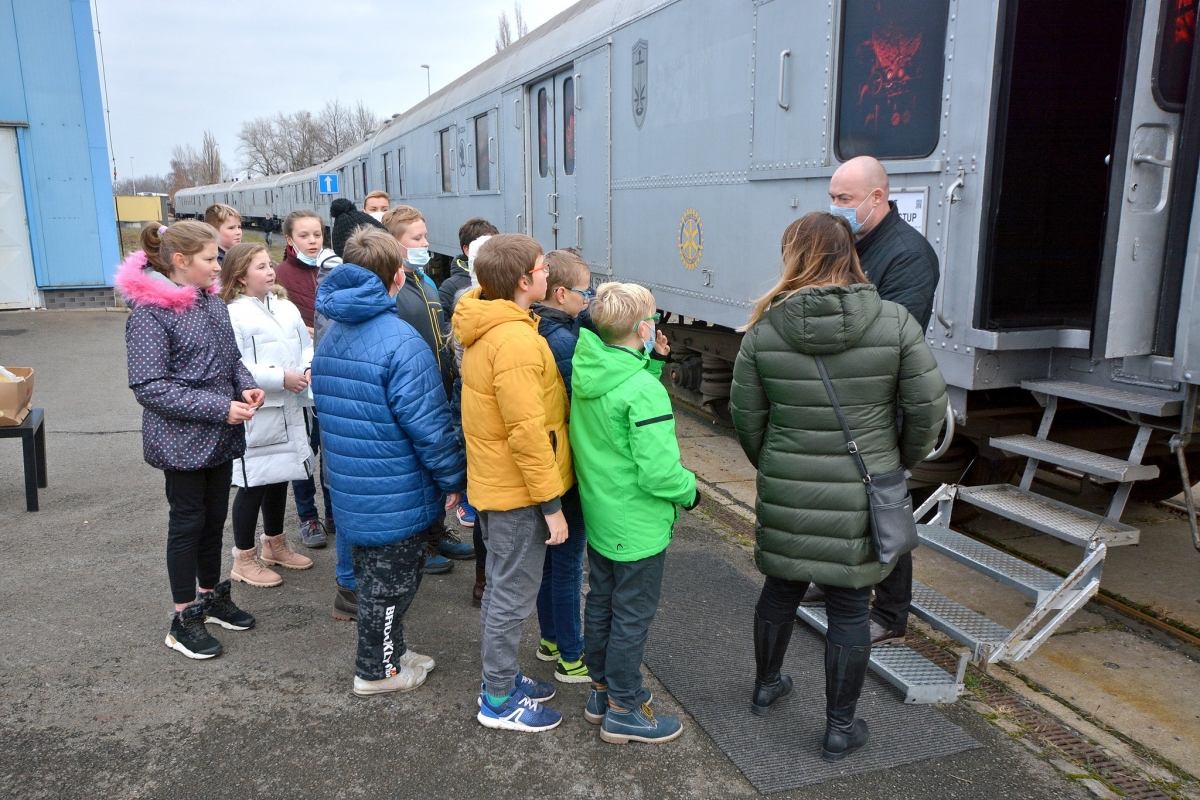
column 273, row 339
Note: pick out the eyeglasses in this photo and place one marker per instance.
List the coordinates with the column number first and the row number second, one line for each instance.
column 587, row 294
column 655, row 318
column 544, row 268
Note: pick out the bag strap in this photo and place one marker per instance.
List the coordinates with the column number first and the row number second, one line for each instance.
column 837, row 409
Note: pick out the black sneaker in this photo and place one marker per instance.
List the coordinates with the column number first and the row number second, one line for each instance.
column 219, row 608
column 189, row 636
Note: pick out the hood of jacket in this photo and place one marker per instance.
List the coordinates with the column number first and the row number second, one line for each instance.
column 474, row 317
column 553, row 315
column 141, row 284
column 826, row 319
column 352, row 294
column 598, row 368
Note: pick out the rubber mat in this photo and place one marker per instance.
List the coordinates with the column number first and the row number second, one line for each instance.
column 701, row 648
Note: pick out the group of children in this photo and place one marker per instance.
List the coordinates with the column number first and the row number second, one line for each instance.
column 542, row 396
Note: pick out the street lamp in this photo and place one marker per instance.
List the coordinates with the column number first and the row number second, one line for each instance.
column 427, row 84
column 131, row 177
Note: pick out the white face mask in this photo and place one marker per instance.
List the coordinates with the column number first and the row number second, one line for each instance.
column 378, row 215
column 417, row 256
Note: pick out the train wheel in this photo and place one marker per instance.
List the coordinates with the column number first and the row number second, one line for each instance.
column 1169, row 482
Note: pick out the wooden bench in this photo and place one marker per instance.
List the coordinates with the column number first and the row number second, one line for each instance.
column 32, row 432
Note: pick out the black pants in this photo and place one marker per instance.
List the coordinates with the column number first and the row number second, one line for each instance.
column 199, row 504
column 893, row 595
column 272, row 499
column 480, row 546
column 388, row 578
column 848, row 610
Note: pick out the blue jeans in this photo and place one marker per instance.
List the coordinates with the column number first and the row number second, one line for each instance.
column 306, row 490
column 562, row 578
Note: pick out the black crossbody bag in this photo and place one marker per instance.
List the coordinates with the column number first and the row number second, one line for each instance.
column 893, row 528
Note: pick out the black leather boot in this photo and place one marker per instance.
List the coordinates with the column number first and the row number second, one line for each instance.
column 770, row 646
column 845, row 671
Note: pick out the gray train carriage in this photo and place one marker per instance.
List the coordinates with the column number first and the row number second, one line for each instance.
column 1048, row 151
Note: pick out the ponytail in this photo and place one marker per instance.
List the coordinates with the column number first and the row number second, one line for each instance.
column 161, row 243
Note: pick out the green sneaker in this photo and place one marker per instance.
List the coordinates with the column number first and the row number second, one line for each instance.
column 571, row 673
column 547, row 651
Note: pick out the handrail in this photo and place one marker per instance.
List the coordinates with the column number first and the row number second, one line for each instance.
column 950, row 200
column 782, row 66
column 941, row 449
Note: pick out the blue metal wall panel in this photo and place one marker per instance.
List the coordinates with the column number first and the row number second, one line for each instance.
column 63, row 155
column 12, row 91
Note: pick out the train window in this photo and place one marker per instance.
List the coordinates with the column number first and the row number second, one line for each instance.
column 447, row 155
column 387, row 173
column 568, row 92
column 543, row 134
column 483, row 175
column 1177, row 32
column 400, row 172
column 891, row 67
column 365, row 185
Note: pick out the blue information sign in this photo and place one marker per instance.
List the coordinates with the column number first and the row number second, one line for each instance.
column 327, row 183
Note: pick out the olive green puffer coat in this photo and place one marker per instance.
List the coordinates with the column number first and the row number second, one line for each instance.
column 812, row 506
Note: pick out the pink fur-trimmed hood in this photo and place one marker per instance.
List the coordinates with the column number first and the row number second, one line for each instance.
column 141, row 284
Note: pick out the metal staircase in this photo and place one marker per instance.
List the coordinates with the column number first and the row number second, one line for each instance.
column 1055, row 598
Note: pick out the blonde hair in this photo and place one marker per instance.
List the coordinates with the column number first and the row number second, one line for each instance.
column 187, row 236
column 818, row 250
column 566, row 270
column 502, row 261
column 218, row 214
column 399, row 218
column 375, row 251
column 375, row 194
column 618, row 308
column 237, row 264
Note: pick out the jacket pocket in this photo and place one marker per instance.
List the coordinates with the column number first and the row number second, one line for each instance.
column 268, row 427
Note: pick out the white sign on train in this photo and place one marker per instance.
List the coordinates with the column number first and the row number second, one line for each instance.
column 910, row 204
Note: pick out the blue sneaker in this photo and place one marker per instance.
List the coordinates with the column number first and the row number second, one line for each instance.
column 466, row 515
column 435, row 562
column 451, row 546
column 597, row 705
column 638, row 725
column 517, row 713
column 538, row 691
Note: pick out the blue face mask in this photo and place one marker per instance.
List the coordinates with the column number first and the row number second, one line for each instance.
column 310, row 260
column 417, row 256
column 649, row 343
column 851, row 215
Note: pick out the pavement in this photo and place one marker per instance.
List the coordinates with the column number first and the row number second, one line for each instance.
column 93, row 704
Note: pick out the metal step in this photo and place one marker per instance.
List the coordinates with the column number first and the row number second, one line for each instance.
column 1011, row 571
column 1073, row 458
column 1107, row 397
column 920, row 679
column 957, row 621
column 1066, row 522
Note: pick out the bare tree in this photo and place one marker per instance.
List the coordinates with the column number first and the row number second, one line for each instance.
column 157, row 184
column 185, row 168
column 363, row 121
column 210, row 159
column 258, row 146
column 289, row 142
column 335, row 122
column 509, row 33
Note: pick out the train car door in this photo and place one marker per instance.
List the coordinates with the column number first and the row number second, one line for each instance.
column 1138, row 209
column 568, row 218
column 543, row 206
column 17, row 286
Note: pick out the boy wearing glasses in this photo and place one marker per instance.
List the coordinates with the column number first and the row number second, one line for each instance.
column 514, row 410
column 630, row 481
column 568, row 292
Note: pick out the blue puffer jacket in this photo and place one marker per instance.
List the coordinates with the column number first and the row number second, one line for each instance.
column 385, row 424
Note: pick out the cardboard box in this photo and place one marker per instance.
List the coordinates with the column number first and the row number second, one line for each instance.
column 16, row 398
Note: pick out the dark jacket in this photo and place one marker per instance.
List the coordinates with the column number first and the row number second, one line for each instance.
column 460, row 278
column 386, row 430
column 419, row 306
column 184, row 369
column 347, row 220
column 812, row 506
column 561, row 332
column 300, row 280
column 902, row 265
column 268, row 226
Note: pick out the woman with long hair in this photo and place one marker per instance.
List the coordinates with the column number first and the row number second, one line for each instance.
column 813, row 523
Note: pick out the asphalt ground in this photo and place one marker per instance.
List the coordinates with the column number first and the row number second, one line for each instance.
column 93, row 704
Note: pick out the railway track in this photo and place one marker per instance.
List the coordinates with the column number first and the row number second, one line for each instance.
column 1141, row 616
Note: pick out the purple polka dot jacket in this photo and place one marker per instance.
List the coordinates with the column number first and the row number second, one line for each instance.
column 184, row 369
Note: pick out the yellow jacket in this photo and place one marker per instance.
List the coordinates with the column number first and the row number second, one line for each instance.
column 514, row 407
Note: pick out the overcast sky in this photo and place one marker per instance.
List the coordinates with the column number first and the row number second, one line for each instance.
column 176, row 69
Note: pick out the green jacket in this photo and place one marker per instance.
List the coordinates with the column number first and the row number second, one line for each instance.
column 626, row 457
column 812, row 506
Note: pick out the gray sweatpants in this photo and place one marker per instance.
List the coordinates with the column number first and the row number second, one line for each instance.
column 516, row 552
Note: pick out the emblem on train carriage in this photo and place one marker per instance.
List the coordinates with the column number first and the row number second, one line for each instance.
column 641, row 56
column 691, row 238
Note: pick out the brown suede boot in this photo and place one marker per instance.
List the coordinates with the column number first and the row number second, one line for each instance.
column 275, row 551
column 248, row 569
column 477, row 592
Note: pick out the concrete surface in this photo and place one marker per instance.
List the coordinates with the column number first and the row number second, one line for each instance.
column 93, row 704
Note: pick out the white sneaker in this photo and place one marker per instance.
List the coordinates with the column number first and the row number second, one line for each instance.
column 412, row 658
column 407, row 679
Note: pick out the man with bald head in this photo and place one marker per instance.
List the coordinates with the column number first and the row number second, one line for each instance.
column 902, row 265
